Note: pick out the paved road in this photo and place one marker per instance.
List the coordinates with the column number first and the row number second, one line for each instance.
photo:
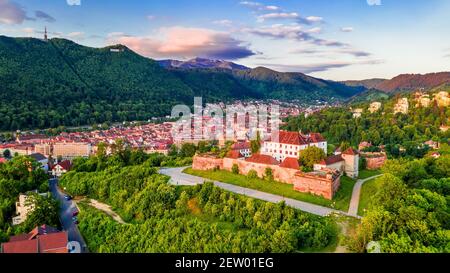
column 67, row 208
column 180, row 178
column 354, row 203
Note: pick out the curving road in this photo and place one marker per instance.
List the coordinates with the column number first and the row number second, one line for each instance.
column 180, row 178
column 67, row 208
column 354, row 203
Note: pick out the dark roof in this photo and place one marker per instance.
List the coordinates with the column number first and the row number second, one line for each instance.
column 262, row 159
column 331, row 160
column 290, row 163
column 38, row 156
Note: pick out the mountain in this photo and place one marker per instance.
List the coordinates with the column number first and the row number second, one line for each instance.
column 202, row 63
column 54, row 83
column 411, row 82
column 404, row 82
column 368, row 84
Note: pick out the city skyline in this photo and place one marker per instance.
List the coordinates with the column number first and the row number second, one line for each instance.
column 337, row 40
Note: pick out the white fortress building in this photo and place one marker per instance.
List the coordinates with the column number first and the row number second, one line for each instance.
column 290, row 144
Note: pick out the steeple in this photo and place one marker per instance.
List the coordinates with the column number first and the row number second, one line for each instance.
column 45, row 35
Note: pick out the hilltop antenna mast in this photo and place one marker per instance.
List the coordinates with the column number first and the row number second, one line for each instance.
column 45, row 35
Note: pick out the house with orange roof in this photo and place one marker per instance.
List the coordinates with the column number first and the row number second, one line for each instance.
column 43, row 239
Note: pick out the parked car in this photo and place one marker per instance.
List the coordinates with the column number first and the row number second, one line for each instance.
column 67, row 197
column 75, row 213
column 75, row 220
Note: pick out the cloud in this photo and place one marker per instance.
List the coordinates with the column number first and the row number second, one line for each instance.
column 44, row 16
column 182, row 42
column 224, row 22
column 347, row 29
column 11, row 13
column 374, row 2
column 78, row 35
column 330, row 53
column 258, row 6
column 278, row 16
column 318, row 67
column 310, row 20
column 151, row 17
column 294, row 32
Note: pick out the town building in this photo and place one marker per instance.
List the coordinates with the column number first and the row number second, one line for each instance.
column 442, row 99
column 41, row 159
column 23, row 208
column 290, row 144
column 43, row 239
column 374, row 107
column 346, row 162
column 357, row 113
column 70, row 150
column 402, row 106
column 244, row 148
column 61, row 168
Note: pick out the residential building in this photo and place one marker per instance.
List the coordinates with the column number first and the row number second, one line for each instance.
column 41, row 159
column 43, row 239
column 61, row 168
column 69, row 150
column 374, row 107
column 402, row 106
column 23, row 208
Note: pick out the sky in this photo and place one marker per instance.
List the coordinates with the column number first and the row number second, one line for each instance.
column 330, row 39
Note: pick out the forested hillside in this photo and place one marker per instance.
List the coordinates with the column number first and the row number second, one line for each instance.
column 396, row 131
column 164, row 218
column 47, row 84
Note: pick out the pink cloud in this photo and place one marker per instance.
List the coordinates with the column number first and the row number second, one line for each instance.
column 11, row 13
column 181, row 42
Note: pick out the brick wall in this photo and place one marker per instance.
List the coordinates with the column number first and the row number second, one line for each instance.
column 375, row 160
column 322, row 186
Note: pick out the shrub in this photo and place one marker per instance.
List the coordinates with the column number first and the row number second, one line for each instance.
column 235, row 169
column 252, row 174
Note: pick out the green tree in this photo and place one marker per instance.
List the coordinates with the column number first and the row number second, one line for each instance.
column 311, row 156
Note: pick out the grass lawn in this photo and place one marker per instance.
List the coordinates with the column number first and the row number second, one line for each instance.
column 369, row 189
column 340, row 202
column 368, row 173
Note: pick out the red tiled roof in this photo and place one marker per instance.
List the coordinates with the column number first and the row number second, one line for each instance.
column 262, row 159
column 331, row 160
column 290, row 163
column 316, row 138
column 234, row 154
column 53, row 243
column 43, row 239
column 241, row 146
column 292, row 138
column 2, row 160
column 66, row 165
column 350, row 151
column 27, row 246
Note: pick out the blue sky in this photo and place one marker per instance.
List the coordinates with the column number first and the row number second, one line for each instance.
column 332, row 39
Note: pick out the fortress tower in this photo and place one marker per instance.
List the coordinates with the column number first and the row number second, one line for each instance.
column 351, row 158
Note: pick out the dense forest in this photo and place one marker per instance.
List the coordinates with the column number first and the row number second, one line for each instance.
column 402, row 134
column 410, row 213
column 48, row 84
column 166, row 218
column 21, row 175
